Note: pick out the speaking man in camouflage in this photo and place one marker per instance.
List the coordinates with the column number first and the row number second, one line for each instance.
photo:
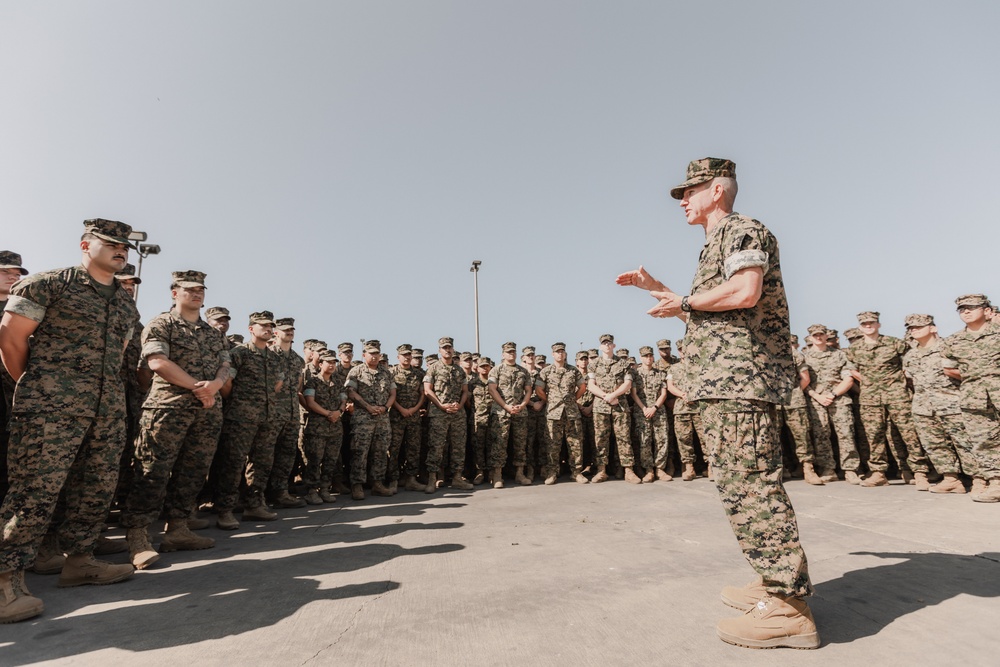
column 10, row 272
column 510, row 386
column 885, row 397
column 251, row 426
column 741, row 369
column 937, row 411
column 373, row 391
column 649, row 416
column 973, row 357
column 287, row 411
column 447, row 388
column 610, row 380
column 482, row 403
column 830, row 380
column 405, row 421
column 68, row 426
column 560, row 385
column 181, row 421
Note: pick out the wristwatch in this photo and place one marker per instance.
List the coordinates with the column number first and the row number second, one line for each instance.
column 685, row 306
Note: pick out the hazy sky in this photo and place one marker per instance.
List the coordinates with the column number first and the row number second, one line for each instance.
column 344, row 162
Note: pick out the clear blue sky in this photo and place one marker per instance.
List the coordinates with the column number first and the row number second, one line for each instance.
column 344, row 162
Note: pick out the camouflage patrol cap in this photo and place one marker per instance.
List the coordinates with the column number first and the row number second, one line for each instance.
column 795, row 340
column 529, row 349
column 328, row 356
column 484, row 361
column 345, row 347
column 465, row 356
column 11, row 260
column 109, row 230
column 509, row 346
column 405, row 348
column 320, row 344
column 832, row 333
column 558, row 347
column 868, row 316
column 915, row 320
column 645, row 351
column 621, row 352
column 187, row 279
column 217, row 313
column 593, row 353
column 432, row 357
column 541, row 358
column 663, row 343
column 373, row 345
column 853, row 334
column 235, row 338
column 816, row 328
column 582, row 354
column 263, row 317
column 607, row 338
column 974, row 300
column 702, row 171
column 418, row 353
column 446, row 341
column 285, row 323
column 128, row 273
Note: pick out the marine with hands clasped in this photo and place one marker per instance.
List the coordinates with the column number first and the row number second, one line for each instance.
column 740, row 371
column 510, row 387
column 371, row 387
column 448, row 390
column 560, row 385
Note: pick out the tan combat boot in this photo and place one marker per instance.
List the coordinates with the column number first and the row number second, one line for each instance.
column 379, row 489
column 141, row 552
column 746, row 597
column 809, row 474
column 828, row 475
column 920, row 479
column 551, row 479
column 459, row 482
column 979, row 485
column 313, row 497
column 226, row 520
column 631, row 477
column 950, row 484
column 663, row 475
column 496, row 478
column 907, row 476
column 851, row 477
column 48, row 559
column 16, row 601
column 393, row 487
column 259, row 513
column 580, row 479
column 357, row 492
column 520, row 477
column 285, row 500
column 601, row 476
column 877, row 478
column 411, row 483
column 989, row 491
column 648, row 477
column 326, row 496
column 83, row 569
column 688, row 473
column 178, row 537
column 774, row 622
column 431, row 483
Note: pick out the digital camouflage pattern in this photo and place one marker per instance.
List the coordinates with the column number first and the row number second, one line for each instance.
column 609, row 374
column 702, row 171
column 255, row 395
column 741, row 353
column 371, row 432
column 562, row 415
column 881, row 367
column 653, row 433
column 321, row 439
column 976, row 355
column 482, row 404
column 827, row 370
column 198, row 349
column 288, row 412
column 446, row 432
column 405, row 438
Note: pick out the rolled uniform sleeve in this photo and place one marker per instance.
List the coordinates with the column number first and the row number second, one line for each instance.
column 25, row 307
column 744, row 250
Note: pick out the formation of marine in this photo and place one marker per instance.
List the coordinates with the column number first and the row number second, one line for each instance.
column 179, row 419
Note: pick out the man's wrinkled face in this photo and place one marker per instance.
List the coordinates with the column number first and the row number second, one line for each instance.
column 697, row 203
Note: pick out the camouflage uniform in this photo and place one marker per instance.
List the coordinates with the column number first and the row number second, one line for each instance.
column 827, row 370
column 653, row 432
column 976, row 355
column 687, row 419
column 446, row 432
column 563, row 419
column 740, row 370
column 884, row 397
column 512, row 383
column 178, row 435
column 252, row 423
column 482, row 404
column 795, row 415
column 405, row 430
column 68, row 428
column 287, row 412
column 535, row 447
column 371, row 432
column 586, row 404
column 8, row 260
column 609, row 374
column 937, row 412
column 322, row 439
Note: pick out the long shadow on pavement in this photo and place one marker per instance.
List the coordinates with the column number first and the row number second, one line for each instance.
column 862, row 602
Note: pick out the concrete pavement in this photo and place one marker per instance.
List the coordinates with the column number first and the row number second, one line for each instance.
column 572, row 574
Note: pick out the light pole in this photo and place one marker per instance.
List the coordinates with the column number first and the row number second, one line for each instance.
column 475, row 285
column 143, row 250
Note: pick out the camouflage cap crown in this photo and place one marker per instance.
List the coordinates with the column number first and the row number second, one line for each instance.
column 446, row 341
column 128, row 273
column 582, row 354
column 868, row 316
column 558, row 347
column 109, row 230
column 405, row 348
column 328, row 356
column 373, row 345
column 465, row 356
column 285, row 323
column 263, row 317
column 702, row 171
column 529, row 349
column 235, row 338
column 853, row 334
column 345, row 347
column 974, row 300
column 187, row 279
column 509, row 346
column 645, row 350
column 484, row 361
column 915, row 320
column 217, row 313
column 663, row 343
column 11, row 260
column 418, row 353
column 816, row 329
column 621, row 352
column 607, row 338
